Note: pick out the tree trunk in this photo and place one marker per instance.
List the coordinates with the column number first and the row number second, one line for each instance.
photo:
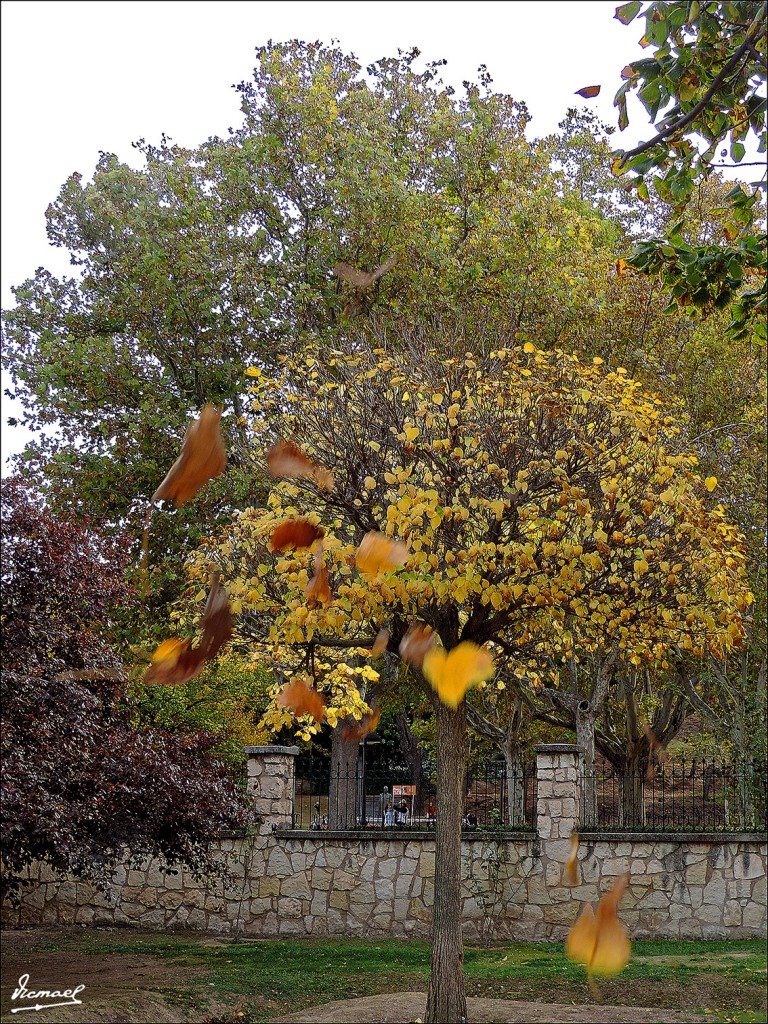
column 342, row 792
column 585, row 738
column 515, row 785
column 412, row 752
column 632, row 795
column 446, row 997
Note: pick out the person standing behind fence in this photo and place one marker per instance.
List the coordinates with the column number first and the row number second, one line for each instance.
column 401, row 815
column 388, row 816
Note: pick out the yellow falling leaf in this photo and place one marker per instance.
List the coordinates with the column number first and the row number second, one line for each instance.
column 377, row 553
column 598, row 939
column 710, row 483
column 452, row 673
column 571, row 871
column 529, row 347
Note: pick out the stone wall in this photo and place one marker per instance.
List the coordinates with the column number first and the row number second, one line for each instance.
column 288, row 883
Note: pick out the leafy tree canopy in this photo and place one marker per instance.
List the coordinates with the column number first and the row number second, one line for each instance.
column 543, row 502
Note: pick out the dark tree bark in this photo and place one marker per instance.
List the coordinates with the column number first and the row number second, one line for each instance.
column 342, row 793
column 446, row 997
column 412, row 752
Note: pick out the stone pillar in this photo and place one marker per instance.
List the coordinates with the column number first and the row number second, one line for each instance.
column 558, row 793
column 271, row 781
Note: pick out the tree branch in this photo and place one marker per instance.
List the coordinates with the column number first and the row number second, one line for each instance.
column 694, row 112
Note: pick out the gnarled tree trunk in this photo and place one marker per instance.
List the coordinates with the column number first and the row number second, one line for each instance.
column 446, row 997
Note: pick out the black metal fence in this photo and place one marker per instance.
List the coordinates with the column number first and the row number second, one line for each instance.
column 678, row 795
column 498, row 797
column 691, row 795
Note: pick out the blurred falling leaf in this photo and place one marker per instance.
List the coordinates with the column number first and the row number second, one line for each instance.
column 286, row 459
column 588, row 91
column 175, row 661
column 710, row 483
column 361, row 729
column 295, row 533
column 627, row 72
column 656, row 750
column 380, row 643
column 361, row 278
column 318, row 589
column 571, row 869
column 599, row 940
column 378, row 553
column 452, row 674
column 621, row 268
column 302, row 699
column 115, row 675
column 415, row 644
column 202, row 458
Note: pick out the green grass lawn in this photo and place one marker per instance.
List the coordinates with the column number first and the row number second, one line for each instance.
column 255, row 980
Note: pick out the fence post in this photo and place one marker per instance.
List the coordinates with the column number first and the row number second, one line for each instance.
column 558, row 789
column 271, row 781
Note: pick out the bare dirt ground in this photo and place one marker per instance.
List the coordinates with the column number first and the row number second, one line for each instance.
column 133, row 989
column 119, row 989
column 409, row 1006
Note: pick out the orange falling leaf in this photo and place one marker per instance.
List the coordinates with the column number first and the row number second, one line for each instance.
column 302, row 699
column 318, row 589
column 360, row 730
column 415, row 644
column 175, row 661
column 588, row 92
column 379, row 553
column 621, row 268
column 286, row 459
column 599, row 940
column 451, row 674
column 571, row 866
column 655, row 743
column 202, row 458
column 295, row 533
column 361, row 279
column 380, row 643
column 655, row 749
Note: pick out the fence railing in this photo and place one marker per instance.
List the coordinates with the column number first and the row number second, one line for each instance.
column 678, row 795
column 691, row 795
column 498, row 797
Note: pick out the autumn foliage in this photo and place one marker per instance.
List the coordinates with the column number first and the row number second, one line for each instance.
column 82, row 787
column 523, row 501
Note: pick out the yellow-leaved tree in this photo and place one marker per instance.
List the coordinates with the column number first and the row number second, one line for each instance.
column 542, row 502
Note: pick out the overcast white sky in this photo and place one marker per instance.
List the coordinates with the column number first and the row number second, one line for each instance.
column 79, row 77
